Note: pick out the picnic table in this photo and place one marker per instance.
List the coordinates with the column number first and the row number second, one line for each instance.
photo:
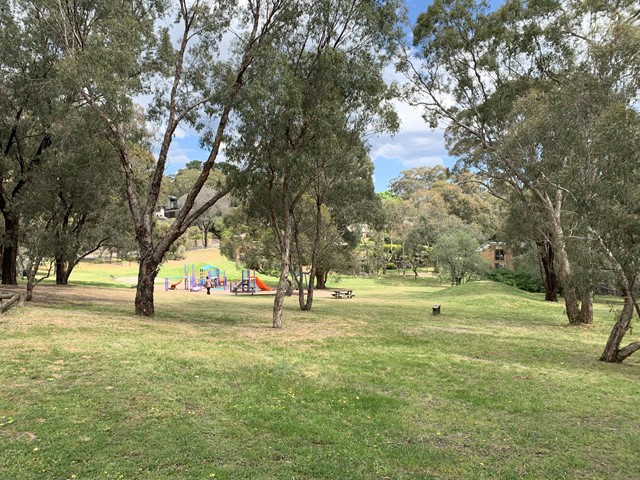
column 342, row 293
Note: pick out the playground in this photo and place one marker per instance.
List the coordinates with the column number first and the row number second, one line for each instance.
column 194, row 280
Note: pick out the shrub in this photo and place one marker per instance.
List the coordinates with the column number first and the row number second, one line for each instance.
column 519, row 279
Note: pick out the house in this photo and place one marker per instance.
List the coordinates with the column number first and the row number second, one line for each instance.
column 497, row 255
column 170, row 210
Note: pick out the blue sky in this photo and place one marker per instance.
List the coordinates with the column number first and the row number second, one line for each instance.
column 414, row 145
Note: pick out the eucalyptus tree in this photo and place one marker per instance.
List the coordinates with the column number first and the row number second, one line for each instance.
column 526, row 228
column 400, row 219
column 117, row 51
column 326, row 87
column 475, row 65
column 413, row 180
column 214, row 215
column 614, row 225
column 32, row 100
column 341, row 204
column 458, row 255
column 352, row 203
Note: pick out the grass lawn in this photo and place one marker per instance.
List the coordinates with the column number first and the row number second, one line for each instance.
column 373, row 387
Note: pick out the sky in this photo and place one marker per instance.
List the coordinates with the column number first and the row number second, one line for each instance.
column 413, row 145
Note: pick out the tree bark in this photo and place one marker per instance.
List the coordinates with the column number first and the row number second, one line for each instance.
column 586, row 311
column 321, row 279
column 549, row 276
column 10, row 303
column 10, row 248
column 62, row 271
column 306, row 306
column 572, row 306
column 278, row 303
column 147, row 273
column 612, row 349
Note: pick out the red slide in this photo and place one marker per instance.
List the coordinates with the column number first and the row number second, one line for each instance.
column 261, row 285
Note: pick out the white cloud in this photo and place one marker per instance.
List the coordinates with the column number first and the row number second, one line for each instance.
column 178, row 157
column 181, row 133
column 414, row 145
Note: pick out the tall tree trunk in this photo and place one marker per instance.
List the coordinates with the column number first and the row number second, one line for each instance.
column 321, row 279
column 586, row 311
column 314, row 254
column 62, row 271
column 10, row 248
column 549, row 276
column 299, row 277
column 564, row 273
column 205, row 238
column 147, row 272
column 285, row 250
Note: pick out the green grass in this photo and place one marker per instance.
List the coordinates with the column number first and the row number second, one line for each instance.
column 498, row 386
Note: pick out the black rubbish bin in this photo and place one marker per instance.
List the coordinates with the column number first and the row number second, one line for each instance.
column 436, row 309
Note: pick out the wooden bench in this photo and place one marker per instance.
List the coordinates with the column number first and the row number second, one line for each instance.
column 342, row 293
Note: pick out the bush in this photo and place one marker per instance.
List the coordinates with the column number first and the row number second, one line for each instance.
column 519, row 279
column 391, row 266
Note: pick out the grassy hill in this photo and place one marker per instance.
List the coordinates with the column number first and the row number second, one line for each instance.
column 497, row 386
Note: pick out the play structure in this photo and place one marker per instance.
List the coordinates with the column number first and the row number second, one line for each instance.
column 217, row 277
column 249, row 284
column 170, row 284
column 190, row 281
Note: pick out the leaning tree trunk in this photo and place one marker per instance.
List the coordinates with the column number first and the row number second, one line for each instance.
column 574, row 314
column 549, row 276
column 612, row 352
column 147, row 272
column 10, row 249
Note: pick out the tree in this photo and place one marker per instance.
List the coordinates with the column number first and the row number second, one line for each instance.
column 458, row 254
column 399, row 221
column 614, row 225
column 525, row 226
column 191, row 86
column 33, row 98
column 326, row 89
column 353, row 206
column 483, row 63
column 409, row 182
column 59, row 173
column 438, row 202
column 207, row 220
